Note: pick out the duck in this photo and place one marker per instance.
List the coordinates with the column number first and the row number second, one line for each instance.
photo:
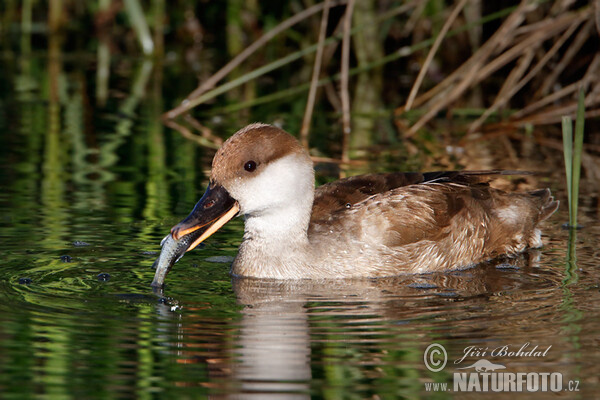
column 366, row 226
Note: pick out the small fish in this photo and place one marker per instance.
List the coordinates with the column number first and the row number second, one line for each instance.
column 172, row 251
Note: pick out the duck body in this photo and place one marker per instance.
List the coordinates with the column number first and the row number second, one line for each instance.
column 374, row 225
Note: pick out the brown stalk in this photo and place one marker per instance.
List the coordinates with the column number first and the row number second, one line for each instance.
column 333, row 97
column 597, row 15
column 505, row 130
column 480, row 72
column 560, row 6
column 409, row 27
column 344, row 92
column 237, row 60
column 531, row 40
column 572, row 88
column 186, row 133
column 570, row 53
column 328, row 53
column 471, row 65
column 205, row 131
column 505, row 95
column 591, row 73
column 337, row 161
column 517, row 73
column 432, row 51
column 554, row 115
column 553, row 143
column 312, row 93
column 534, row 27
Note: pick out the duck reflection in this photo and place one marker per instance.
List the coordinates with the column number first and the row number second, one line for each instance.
column 270, row 357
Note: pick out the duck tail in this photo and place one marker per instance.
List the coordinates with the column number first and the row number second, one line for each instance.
column 546, row 203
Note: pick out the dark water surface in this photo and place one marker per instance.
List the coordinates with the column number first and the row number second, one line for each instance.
column 88, row 191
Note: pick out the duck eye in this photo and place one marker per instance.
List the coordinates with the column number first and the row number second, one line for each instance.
column 250, row 166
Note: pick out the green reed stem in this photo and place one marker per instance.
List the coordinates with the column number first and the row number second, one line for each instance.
column 577, row 151
column 567, row 131
column 573, row 148
column 140, row 26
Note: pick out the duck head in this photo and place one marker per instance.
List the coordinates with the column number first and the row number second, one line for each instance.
column 262, row 173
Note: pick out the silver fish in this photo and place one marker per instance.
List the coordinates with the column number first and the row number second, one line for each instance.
column 171, row 252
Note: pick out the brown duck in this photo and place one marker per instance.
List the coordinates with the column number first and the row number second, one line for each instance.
column 372, row 225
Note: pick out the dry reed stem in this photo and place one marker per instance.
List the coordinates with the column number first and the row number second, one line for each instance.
column 511, row 90
column 531, row 40
column 237, row 60
column 338, row 161
column 330, row 50
column 333, row 97
column 590, row 76
column 508, row 130
column 597, row 15
column 330, row 90
column 560, row 6
column 572, row 88
column 549, row 116
column 553, row 143
column 412, row 20
column 534, row 27
column 186, row 133
column 517, row 73
column 478, row 71
column 470, row 65
column 592, row 72
column 432, row 52
column 344, row 91
column 312, row 93
column 205, row 131
column 570, row 53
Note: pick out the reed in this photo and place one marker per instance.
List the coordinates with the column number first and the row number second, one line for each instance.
column 303, row 87
column 140, row 25
column 573, row 148
column 209, row 90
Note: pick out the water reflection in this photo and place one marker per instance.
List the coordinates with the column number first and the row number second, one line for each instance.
column 118, row 180
column 304, row 338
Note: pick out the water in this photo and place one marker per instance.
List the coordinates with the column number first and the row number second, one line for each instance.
column 89, row 325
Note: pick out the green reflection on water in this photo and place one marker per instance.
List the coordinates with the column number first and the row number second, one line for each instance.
column 115, row 178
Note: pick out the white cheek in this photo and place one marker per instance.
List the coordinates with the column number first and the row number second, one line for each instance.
column 282, row 182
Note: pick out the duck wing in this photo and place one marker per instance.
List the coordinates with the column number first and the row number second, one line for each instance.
column 448, row 209
column 345, row 193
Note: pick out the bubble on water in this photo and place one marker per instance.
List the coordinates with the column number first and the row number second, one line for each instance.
column 220, row 259
column 65, row 258
column 422, row 285
column 506, row 266
column 103, row 277
column 25, row 281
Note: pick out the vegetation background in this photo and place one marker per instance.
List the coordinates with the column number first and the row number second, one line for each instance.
column 363, row 83
column 110, row 111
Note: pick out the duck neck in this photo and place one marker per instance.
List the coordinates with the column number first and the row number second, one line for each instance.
column 275, row 244
column 281, row 226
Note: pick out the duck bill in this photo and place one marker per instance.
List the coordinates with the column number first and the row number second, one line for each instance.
column 213, row 210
